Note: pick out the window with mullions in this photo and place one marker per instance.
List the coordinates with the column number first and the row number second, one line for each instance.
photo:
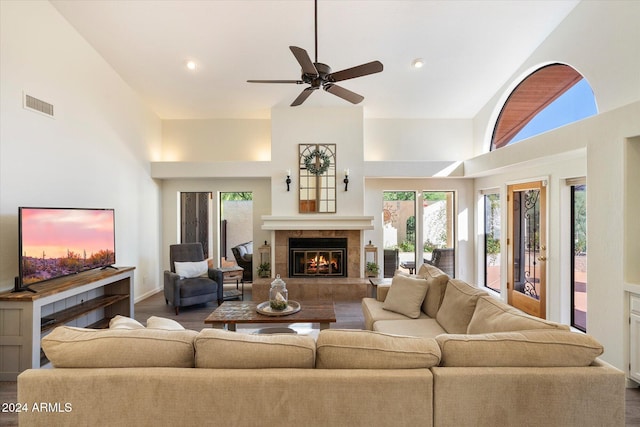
column 492, row 241
column 399, row 231
column 550, row 97
column 579, row 256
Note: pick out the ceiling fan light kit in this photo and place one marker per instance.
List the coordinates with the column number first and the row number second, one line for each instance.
column 318, row 75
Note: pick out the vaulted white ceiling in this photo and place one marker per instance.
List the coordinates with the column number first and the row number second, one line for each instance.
column 470, row 49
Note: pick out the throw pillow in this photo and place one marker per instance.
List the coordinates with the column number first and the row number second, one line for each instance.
column 188, row 270
column 70, row 347
column 122, row 322
column 220, row 349
column 492, row 315
column 458, row 306
column 355, row 349
column 154, row 322
column 437, row 283
column 537, row 348
column 405, row 296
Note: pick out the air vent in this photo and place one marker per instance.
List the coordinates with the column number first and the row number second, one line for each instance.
column 37, row 105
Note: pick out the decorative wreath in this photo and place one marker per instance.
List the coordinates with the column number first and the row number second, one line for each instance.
column 310, row 162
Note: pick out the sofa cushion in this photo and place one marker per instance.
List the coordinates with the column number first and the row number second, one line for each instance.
column 458, row 306
column 437, row 284
column 373, row 312
column 155, row 322
column 216, row 348
column 536, row 348
column 423, row 327
column 191, row 269
column 492, row 315
column 70, row 347
column 354, row 349
column 122, row 322
column 405, row 296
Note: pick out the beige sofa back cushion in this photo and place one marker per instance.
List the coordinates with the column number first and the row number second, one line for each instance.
column 221, row 349
column 537, row 348
column 70, row 347
column 436, row 284
column 354, row 349
column 406, row 295
column 492, row 315
column 458, row 306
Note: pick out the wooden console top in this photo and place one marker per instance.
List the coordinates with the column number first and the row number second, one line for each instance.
column 61, row 284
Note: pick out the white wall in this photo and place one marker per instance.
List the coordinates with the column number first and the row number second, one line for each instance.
column 600, row 39
column 413, row 140
column 95, row 153
column 340, row 126
column 221, row 140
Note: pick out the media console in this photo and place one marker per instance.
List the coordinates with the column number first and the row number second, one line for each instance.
column 88, row 299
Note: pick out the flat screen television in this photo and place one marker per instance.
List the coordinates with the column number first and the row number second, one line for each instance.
column 56, row 242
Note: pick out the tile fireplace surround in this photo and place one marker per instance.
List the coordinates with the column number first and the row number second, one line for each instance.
column 316, row 288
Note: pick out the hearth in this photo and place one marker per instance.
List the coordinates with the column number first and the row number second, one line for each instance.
column 318, row 257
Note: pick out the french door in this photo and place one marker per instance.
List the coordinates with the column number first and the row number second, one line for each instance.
column 526, row 248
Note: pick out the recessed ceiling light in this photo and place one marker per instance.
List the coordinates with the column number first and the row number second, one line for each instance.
column 417, row 63
column 191, row 65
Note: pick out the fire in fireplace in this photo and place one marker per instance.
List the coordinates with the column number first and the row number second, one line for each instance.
column 318, row 257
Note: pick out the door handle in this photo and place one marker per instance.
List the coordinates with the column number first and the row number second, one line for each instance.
column 542, row 258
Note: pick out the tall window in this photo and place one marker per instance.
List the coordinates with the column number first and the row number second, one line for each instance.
column 399, row 214
column 236, row 222
column 492, row 241
column 579, row 256
column 552, row 96
column 438, row 229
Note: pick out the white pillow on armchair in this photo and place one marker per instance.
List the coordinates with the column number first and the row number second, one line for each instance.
column 188, row 270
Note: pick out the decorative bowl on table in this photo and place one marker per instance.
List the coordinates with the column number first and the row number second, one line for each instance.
column 265, row 308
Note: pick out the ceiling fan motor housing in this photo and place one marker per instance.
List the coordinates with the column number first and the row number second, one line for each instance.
column 321, row 78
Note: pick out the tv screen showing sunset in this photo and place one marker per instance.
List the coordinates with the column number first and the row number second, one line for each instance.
column 59, row 242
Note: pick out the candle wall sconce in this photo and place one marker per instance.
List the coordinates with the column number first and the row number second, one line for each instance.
column 346, row 179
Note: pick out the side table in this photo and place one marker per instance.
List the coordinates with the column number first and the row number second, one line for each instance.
column 373, row 285
column 233, row 272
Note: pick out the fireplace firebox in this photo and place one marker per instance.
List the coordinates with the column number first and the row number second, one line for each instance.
column 318, row 257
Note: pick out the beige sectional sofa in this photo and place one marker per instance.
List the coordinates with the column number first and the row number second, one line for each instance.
column 154, row 377
column 525, row 372
column 498, row 365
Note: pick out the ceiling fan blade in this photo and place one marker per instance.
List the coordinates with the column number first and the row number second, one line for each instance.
column 303, row 59
column 343, row 93
column 357, row 71
column 299, row 82
column 302, row 97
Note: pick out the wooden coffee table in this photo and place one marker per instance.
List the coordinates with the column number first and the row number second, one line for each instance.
column 231, row 313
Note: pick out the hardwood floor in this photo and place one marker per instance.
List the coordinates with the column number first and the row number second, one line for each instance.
column 348, row 316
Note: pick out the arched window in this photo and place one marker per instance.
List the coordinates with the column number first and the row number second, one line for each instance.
column 550, row 97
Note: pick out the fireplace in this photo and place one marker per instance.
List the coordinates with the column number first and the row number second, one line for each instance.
column 318, row 257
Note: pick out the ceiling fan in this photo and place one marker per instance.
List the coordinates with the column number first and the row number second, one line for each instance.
column 317, row 74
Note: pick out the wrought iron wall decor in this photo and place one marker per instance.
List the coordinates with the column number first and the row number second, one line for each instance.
column 317, row 178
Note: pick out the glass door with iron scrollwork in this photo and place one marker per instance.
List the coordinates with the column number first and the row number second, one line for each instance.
column 526, row 248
